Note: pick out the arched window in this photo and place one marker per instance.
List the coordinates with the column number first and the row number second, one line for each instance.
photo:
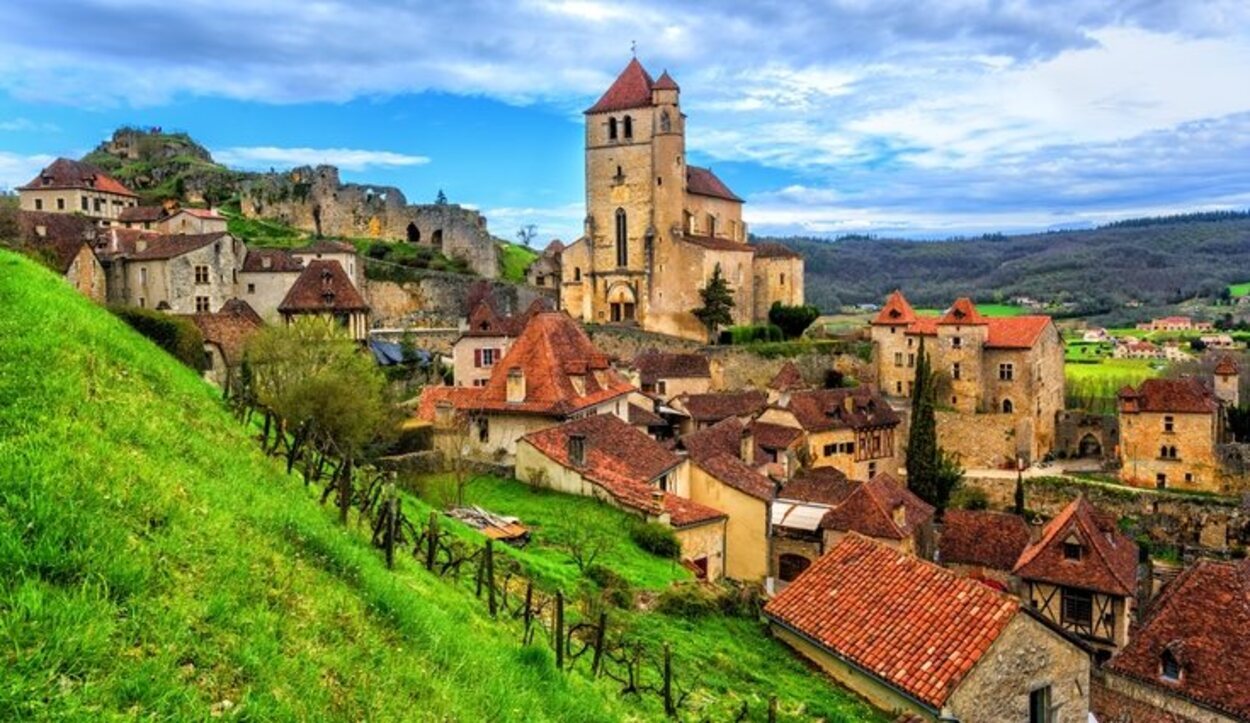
column 611, row 129
column 577, row 273
column 789, row 566
column 1008, row 407
column 711, row 225
column 1172, row 452
column 1163, row 451
column 414, row 234
column 629, row 127
column 666, row 123
column 622, row 239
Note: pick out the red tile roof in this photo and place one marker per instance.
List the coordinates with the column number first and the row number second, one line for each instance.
column 910, row 623
column 462, row 399
column 870, row 507
column 642, row 417
column 896, row 312
column 665, row 82
column 229, row 328
column 139, row 214
column 631, row 89
column 1203, row 619
column 205, row 213
column 63, row 237
column 550, row 352
column 683, row 512
column 165, row 246
column 963, row 312
column 993, row 540
column 654, row 365
column 66, row 173
column 715, row 406
column 322, row 286
column 716, row 243
column 825, row 409
column 1227, row 367
column 1186, row 395
column 1108, row 561
column 788, row 378
column 278, row 261
column 1013, row 332
column 702, row 182
column 1016, row 332
column 769, row 250
column 731, row 470
column 724, row 437
column 819, row 485
column 774, row 436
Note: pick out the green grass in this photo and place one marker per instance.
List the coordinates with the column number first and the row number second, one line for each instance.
column 154, row 564
column 514, row 260
column 259, row 232
column 1130, row 371
column 1239, row 290
column 996, row 310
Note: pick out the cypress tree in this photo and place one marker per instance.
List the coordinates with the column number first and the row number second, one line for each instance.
column 1019, row 491
column 922, row 449
column 718, row 303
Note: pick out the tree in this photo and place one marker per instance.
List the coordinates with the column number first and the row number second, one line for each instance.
column 922, row 449
column 718, row 301
column 526, row 234
column 1019, row 506
column 440, row 199
column 793, row 320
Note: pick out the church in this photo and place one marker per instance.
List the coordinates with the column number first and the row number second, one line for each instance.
column 656, row 227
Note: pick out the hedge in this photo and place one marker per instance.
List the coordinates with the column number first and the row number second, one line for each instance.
column 175, row 334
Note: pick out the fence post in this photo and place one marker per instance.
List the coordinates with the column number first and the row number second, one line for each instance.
column 345, row 489
column 490, row 576
column 392, row 519
column 599, row 636
column 669, row 709
column 559, row 631
column 772, row 709
column 529, row 610
column 433, row 541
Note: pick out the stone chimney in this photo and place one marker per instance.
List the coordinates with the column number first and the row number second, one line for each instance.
column 848, row 403
column 516, row 386
column 1035, row 528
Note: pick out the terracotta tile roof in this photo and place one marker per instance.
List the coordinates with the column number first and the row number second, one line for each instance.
column 911, row 623
column 715, row 406
column 1203, row 619
column 207, row 213
column 1187, row 395
column 1108, row 561
column 485, row 319
column 115, row 241
column 167, row 246
column 64, row 235
column 774, row 436
column 665, row 82
column 702, row 182
column 993, row 540
column 631, row 89
column 1011, row 332
column 731, row 470
column 322, row 286
column 788, row 378
column 66, row 173
column 462, row 399
column 819, row 485
column 1227, row 367
column 229, row 328
column 139, row 214
column 683, row 512
column 824, row 409
column 962, row 312
column 641, row 417
column 654, row 365
column 896, row 311
column 325, row 246
column 717, row 243
column 769, row 250
column 551, row 351
column 724, row 437
column 870, row 510
column 271, row 261
column 618, row 458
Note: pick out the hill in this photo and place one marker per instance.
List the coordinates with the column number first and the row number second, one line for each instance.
column 161, row 166
column 1156, row 262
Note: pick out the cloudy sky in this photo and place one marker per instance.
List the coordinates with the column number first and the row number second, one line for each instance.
column 883, row 116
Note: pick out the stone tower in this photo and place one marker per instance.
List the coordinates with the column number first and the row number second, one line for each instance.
column 1227, row 382
column 962, row 334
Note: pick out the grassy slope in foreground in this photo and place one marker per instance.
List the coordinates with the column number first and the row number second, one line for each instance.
column 153, row 563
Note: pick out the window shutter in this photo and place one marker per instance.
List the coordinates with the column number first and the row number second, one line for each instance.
column 477, row 357
column 498, row 354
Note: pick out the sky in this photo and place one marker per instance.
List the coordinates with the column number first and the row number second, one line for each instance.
column 891, row 117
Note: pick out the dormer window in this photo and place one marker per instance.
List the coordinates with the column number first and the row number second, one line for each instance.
column 516, row 386
column 1072, row 551
column 1170, row 667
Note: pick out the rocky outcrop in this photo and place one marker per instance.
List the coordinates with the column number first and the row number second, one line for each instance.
column 315, row 200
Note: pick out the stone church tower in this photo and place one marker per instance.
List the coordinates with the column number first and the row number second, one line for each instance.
column 656, row 228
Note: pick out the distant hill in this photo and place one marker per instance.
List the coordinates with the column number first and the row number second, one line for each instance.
column 163, row 166
column 1156, row 261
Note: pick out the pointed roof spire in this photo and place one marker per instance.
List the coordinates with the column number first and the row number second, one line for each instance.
column 631, row 89
column 963, row 312
column 896, row 312
column 665, row 82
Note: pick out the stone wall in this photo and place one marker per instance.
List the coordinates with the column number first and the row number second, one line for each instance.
column 985, row 440
column 438, row 299
column 1118, row 699
column 1077, row 431
column 314, row 200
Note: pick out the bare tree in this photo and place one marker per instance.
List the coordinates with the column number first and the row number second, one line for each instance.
column 526, row 234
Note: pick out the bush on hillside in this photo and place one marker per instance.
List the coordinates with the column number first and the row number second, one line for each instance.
column 749, row 333
column 656, row 539
column 793, row 320
column 688, row 601
column 176, row 335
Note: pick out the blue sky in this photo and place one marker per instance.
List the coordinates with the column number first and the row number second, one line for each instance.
column 890, row 116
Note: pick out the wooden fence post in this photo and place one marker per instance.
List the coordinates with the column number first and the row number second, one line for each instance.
column 559, row 629
column 490, row 576
column 345, row 489
column 529, row 610
column 772, row 709
column 599, row 636
column 433, row 541
column 667, row 691
column 392, row 519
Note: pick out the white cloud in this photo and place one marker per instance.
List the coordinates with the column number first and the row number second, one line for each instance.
column 563, row 222
column 17, row 170
column 18, row 125
column 350, row 159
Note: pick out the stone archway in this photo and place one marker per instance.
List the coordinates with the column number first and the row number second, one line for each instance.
column 436, row 239
column 1089, row 446
column 414, row 234
column 622, row 303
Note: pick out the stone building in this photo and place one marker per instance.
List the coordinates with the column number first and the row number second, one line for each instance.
column 315, row 200
column 670, row 374
column 1188, row 658
column 922, row 643
column 602, row 456
column 1227, row 382
column 192, row 221
column 544, row 272
column 323, row 289
column 183, row 274
column 67, row 243
column 657, row 227
column 852, row 430
column 704, row 410
column 68, row 186
column 778, row 278
column 1002, row 377
column 226, row 333
column 1169, row 429
column 485, row 337
column 1082, row 576
column 265, row 277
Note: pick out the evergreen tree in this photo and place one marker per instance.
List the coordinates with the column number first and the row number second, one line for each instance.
column 441, row 198
column 922, row 449
column 1019, row 491
column 718, row 301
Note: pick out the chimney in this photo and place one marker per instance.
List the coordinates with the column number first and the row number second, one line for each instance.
column 900, row 516
column 516, row 386
column 577, row 450
column 848, row 403
column 141, row 245
column 1035, row 528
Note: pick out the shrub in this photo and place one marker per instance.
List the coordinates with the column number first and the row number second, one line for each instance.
column 656, row 539
column 973, row 498
column 687, row 601
column 176, row 335
column 751, row 333
column 792, row 320
column 616, row 589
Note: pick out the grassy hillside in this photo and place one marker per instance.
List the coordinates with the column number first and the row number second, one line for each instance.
column 153, row 564
column 166, row 166
column 514, row 260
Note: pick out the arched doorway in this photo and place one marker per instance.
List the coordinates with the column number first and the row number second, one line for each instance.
column 316, row 214
column 436, row 239
column 414, row 234
column 1089, row 446
column 790, row 566
column 621, row 303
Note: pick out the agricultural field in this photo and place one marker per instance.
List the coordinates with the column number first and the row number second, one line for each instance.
column 991, row 310
column 1239, row 290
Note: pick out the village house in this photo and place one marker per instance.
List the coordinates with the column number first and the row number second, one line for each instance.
column 226, row 333
column 725, row 475
column 141, row 217
column 1082, row 576
column 1175, row 323
column 550, row 375
column 777, row 448
column 485, row 336
column 192, row 221
column 915, row 639
column 704, row 410
column 67, row 242
column 182, row 274
column 658, row 228
column 1168, row 432
column 1227, row 382
column 819, row 507
column 1218, row 341
column 68, row 186
column 265, row 277
column 1095, row 336
column 1001, row 380
column 671, row 374
column 983, row 545
column 601, row 456
column 851, row 429
column 323, row 289
column 344, row 254
column 1188, row 658
column 1137, row 349
column 544, row 272
column 787, row 379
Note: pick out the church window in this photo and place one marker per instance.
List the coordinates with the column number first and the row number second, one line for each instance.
column 622, row 239
column 666, row 123
column 629, row 127
column 611, row 129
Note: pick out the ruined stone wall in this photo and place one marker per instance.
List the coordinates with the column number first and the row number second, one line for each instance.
column 438, row 299
column 314, row 200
